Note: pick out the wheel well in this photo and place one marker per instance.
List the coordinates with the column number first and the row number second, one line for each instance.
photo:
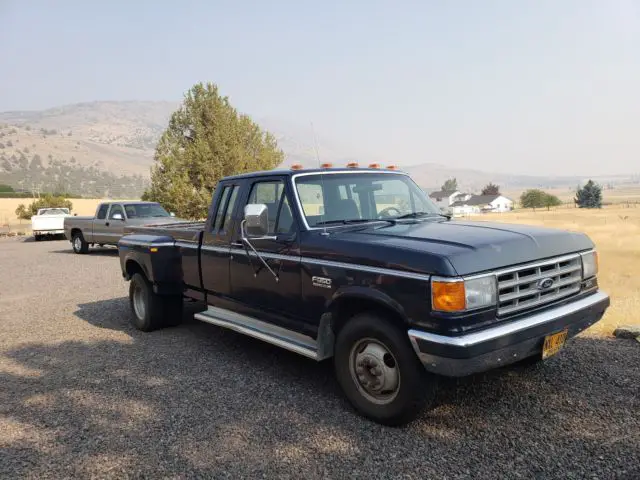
column 132, row 267
column 74, row 231
column 344, row 309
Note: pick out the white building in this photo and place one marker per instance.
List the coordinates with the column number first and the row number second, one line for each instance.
column 444, row 198
column 481, row 204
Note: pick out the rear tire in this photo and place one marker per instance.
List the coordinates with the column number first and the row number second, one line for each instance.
column 151, row 311
column 37, row 238
column 79, row 244
column 379, row 371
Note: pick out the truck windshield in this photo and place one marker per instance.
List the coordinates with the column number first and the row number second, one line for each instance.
column 335, row 198
column 145, row 210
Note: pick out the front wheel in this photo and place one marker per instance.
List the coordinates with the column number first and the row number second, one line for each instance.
column 379, row 371
column 79, row 244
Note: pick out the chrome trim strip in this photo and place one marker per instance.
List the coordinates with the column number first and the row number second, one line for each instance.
column 365, row 268
column 186, row 244
column 275, row 256
column 472, row 339
column 145, row 244
column 332, row 264
column 281, row 337
column 212, row 248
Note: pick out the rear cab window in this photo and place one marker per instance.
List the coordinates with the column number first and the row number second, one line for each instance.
column 224, row 209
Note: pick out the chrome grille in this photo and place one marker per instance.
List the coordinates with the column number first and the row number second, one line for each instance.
column 520, row 288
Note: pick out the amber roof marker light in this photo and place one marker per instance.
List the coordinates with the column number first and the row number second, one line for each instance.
column 296, row 166
column 374, row 165
column 352, row 165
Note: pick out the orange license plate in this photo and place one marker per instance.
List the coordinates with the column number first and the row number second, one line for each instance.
column 553, row 343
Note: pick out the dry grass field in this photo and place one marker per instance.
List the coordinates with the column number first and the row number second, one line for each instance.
column 616, row 232
column 81, row 206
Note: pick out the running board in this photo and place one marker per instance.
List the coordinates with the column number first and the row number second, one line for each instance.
column 281, row 337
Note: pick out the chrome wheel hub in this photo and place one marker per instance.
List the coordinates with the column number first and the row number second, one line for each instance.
column 77, row 243
column 138, row 303
column 375, row 371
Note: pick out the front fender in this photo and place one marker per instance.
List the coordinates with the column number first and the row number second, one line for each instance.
column 366, row 294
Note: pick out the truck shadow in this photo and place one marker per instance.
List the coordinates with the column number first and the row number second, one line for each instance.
column 199, row 400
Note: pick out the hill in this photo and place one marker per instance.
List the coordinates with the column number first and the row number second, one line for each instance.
column 106, row 149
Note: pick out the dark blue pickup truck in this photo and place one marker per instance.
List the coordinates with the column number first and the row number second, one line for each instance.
column 358, row 265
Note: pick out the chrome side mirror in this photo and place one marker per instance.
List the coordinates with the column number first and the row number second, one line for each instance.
column 256, row 220
column 117, row 216
column 172, row 214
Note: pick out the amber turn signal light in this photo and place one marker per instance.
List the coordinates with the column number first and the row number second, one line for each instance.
column 448, row 296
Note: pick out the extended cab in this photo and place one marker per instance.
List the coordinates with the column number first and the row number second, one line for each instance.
column 107, row 225
column 360, row 266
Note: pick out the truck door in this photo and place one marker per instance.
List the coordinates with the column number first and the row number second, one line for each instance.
column 114, row 224
column 98, row 227
column 252, row 284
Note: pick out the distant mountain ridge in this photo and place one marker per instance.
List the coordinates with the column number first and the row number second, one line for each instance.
column 119, row 138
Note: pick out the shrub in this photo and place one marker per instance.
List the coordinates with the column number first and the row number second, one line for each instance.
column 25, row 213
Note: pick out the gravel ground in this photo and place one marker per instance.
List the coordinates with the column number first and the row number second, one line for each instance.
column 82, row 394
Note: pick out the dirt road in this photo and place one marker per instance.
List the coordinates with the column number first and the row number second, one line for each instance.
column 82, row 394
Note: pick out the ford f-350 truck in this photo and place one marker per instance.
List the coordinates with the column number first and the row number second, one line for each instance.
column 358, row 265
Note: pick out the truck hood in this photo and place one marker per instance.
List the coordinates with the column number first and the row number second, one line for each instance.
column 474, row 247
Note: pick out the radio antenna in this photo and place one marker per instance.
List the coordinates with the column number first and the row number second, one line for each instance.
column 315, row 147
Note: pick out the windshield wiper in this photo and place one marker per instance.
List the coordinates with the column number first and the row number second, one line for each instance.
column 352, row 221
column 422, row 214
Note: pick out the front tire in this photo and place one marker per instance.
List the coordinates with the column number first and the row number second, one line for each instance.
column 151, row 311
column 79, row 244
column 379, row 371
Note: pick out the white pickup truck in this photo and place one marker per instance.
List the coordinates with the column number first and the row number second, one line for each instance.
column 49, row 221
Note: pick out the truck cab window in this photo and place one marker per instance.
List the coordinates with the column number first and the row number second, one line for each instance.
column 272, row 194
column 225, row 208
column 102, row 212
column 116, row 209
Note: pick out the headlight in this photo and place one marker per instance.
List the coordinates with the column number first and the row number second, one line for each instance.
column 589, row 264
column 459, row 295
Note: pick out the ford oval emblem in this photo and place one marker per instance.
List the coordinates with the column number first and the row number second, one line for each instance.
column 545, row 283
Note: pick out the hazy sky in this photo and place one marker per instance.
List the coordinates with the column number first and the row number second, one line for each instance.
column 539, row 86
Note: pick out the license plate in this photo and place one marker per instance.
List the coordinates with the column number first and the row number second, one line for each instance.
column 553, row 343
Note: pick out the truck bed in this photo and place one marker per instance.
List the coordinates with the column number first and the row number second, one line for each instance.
column 183, row 231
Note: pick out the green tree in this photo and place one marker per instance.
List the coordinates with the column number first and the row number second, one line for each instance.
column 5, row 188
column 450, row 185
column 206, row 140
column 46, row 201
column 551, row 201
column 491, row 189
column 535, row 198
column 589, row 196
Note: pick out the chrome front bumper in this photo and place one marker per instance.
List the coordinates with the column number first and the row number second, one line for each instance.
column 505, row 343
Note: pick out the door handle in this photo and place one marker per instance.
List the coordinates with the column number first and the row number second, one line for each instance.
column 107, row 224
